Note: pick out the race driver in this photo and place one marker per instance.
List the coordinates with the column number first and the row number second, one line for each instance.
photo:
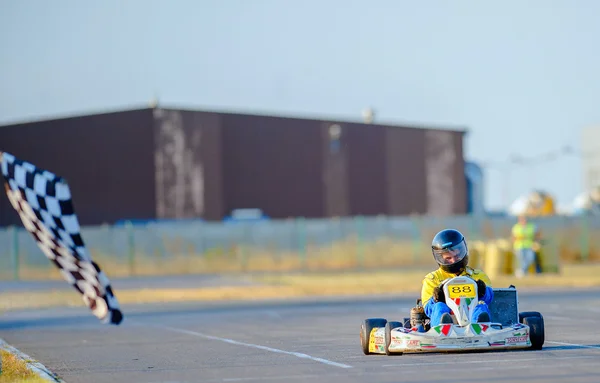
column 450, row 251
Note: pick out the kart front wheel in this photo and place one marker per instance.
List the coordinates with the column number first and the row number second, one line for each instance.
column 526, row 314
column 388, row 337
column 536, row 331
column 365, row 331
column 394, row 324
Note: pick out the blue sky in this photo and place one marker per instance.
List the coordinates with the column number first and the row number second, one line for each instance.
column 522, row 76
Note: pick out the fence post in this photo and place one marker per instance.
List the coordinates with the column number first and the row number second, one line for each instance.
column 585, row 238
column 415, row 238
column 130, row 247
column 360, row 248
column 242, row 252
column 15, row 252
column 301, row 238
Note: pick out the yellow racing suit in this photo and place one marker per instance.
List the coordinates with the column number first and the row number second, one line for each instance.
column 435, row 278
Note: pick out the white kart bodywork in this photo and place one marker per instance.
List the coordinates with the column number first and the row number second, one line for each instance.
column 464, row 334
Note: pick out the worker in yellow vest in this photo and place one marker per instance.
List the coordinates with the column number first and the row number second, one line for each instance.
column 525, row 236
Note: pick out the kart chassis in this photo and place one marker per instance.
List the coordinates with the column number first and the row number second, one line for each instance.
column 509, row 329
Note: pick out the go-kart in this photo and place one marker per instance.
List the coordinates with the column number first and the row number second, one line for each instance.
column 509, row 329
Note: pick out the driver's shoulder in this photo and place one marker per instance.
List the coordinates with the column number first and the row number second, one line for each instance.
column 476, row 273
column 435, row 276
column 429, row 276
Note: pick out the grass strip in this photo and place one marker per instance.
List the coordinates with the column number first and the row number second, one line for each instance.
column 15, row 369
column 274, row 286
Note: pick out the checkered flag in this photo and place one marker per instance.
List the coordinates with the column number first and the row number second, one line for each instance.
column 43, row 201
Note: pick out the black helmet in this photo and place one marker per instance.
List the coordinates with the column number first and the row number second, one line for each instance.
column 450, row 240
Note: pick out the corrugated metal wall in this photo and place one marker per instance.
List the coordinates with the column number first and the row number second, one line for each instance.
column 335, row 152
column 187, row 160
column 406, row 173
column 367, row 167
column 445, row 173
column 106, row 158
column 167, row 163
column 274, row 164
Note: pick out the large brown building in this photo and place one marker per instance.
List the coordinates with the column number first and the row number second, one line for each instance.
column 166, row 163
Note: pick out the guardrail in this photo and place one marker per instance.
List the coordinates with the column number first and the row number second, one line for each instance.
column 285, row 245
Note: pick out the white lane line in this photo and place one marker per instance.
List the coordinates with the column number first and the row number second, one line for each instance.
column 574, row 344
column 275, row 350
column 486, row 361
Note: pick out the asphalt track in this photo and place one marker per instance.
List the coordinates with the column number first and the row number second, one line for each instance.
column 307, row 341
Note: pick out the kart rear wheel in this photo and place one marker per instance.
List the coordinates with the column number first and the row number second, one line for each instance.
column 388, row 336
column 365, row 331
column 536, row 331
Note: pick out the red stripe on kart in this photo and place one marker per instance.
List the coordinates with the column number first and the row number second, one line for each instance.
column 446, row 329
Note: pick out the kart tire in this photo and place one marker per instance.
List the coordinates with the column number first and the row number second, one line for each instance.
column 394, row 324
column 365, row 331
column 388, row 336
column 536, row 331
column 406, row 322
column 527, row 314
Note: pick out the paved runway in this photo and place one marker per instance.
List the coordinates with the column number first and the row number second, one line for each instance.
column 316, row 341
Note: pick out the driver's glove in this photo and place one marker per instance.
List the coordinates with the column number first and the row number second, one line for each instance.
column 438, row 294
column 480, row 289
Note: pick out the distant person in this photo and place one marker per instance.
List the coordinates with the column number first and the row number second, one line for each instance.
column 525, row 237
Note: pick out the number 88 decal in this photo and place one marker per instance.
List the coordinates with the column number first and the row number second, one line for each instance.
column 461, row 289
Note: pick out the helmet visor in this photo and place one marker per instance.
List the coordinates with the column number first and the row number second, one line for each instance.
column 450, row 255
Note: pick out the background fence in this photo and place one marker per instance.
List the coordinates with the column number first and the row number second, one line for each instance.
column 185, row 247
